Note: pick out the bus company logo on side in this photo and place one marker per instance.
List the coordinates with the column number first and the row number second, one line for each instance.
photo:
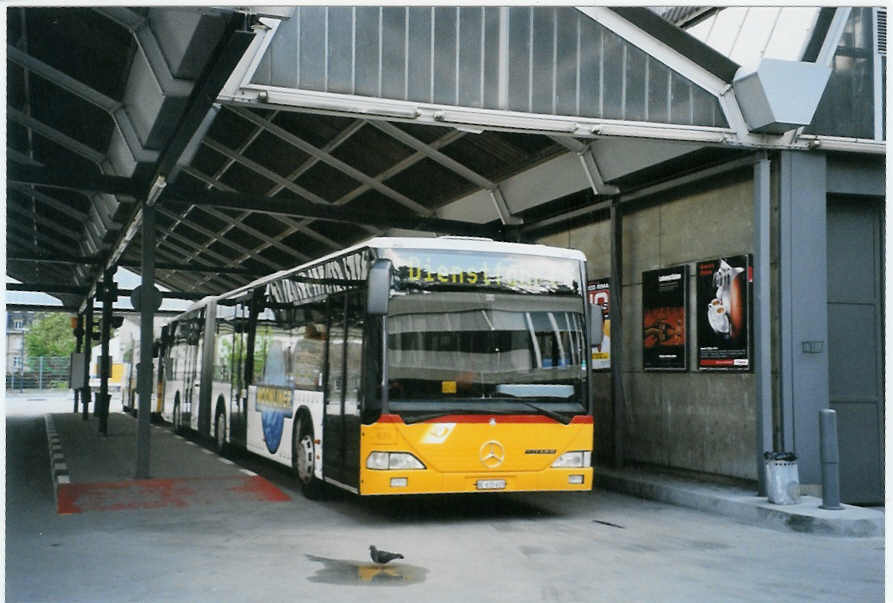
column 274, row 405
column 273, row 398
column 492, row 454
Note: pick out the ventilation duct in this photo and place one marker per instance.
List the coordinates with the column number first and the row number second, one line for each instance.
column 778, row 96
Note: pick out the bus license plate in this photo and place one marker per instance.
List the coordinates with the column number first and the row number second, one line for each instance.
column 491, row 484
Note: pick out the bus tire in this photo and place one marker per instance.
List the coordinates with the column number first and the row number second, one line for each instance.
column 220, row 432
column 303, row 458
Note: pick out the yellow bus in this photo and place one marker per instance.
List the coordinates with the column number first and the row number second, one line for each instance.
column 398, row 366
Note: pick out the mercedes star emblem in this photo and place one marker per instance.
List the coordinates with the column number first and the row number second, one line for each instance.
column 492, row 454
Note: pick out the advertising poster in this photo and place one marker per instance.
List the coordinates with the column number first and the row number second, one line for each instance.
column 663, row 319
column 599, row 292
column 723, row 313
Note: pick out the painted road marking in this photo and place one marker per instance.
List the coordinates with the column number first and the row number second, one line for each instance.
column 247, row 472
column 226, row 461
column 162, row 493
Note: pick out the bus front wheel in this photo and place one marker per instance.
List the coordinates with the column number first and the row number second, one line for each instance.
column 304, row 458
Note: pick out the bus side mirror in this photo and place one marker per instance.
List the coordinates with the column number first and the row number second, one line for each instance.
column 595, row 324
column 379, row 287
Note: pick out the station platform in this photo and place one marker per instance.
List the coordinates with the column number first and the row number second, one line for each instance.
column 743, row 504
column 96, row 473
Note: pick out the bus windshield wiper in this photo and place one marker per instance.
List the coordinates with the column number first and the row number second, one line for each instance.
column 445, row 413
column 548, row 412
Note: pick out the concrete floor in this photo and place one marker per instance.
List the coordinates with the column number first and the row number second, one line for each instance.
column 554, row 547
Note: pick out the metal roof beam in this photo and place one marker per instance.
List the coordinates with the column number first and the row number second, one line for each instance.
column 223, row 60
column 61, row 79
column 303, row 208
column 173, row 253
column 54, row 259
column 56, row 204
column 590, row 167
column 331, row 160
column 213, row 236
column 223, row 169
column 299, row 226
column 20, row 157
column 432, row 153
column 68, row 289
column 237, row 220
column 450, row 137
column 42, row 221
column 60, row 177
column 54, row 135
column 263, row 171
column 29, row 234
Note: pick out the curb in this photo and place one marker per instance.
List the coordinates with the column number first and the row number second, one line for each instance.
column 58, row 466
column 851, row 522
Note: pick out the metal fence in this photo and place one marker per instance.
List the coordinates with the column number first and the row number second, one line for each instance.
column 42, row 372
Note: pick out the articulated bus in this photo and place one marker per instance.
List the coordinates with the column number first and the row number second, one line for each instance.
column 130, row 381
column 398, row 366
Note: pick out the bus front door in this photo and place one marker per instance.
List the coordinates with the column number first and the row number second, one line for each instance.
column 192, row 371
column 341, row 435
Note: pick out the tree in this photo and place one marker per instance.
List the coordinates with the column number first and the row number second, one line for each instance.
column 50, row 335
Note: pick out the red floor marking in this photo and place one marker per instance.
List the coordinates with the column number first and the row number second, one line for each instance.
column 159, row 493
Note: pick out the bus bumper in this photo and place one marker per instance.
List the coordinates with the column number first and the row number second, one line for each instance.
column 422, row 481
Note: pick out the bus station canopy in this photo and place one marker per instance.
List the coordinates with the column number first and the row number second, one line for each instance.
column 266, row 137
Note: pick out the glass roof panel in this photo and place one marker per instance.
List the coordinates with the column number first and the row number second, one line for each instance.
column 559, row 62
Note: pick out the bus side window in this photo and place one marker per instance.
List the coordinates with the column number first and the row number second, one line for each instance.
column 309, row 349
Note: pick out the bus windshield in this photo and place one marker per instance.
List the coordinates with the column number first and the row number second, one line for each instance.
column 474, row 346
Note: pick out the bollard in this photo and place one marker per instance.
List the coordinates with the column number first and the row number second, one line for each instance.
column 830, row 459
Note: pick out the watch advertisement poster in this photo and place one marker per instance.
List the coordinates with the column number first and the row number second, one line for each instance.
column 723, row 313
column 664, row 294
column 599, row 292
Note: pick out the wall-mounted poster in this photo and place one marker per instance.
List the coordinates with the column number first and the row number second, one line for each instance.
column 723, row 313
column 599, row 292
column 664, row 293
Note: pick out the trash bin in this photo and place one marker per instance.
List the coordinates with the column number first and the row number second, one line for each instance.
column 782, row 478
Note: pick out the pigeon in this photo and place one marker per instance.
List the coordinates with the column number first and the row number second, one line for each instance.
column 382, row 556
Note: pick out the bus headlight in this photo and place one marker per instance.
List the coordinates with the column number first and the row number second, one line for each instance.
column 577, row 458
column 392, row 460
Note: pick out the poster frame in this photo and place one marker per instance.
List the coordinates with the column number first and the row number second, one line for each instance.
column 593, row 287
column 648, row 295
column 703, row 290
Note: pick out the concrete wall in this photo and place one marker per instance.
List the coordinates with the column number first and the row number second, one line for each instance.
column 690, row 420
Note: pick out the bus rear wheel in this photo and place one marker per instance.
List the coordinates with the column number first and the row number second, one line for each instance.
column 304, row 458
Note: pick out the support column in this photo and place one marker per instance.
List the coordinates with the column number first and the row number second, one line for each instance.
column 762, row 339
column 616, row 313
column 147, row 314
column 803, row 337
column 79, row 339
column 88, row 330
column 108, row 298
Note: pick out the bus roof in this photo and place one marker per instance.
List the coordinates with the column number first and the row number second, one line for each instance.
column 447, row 243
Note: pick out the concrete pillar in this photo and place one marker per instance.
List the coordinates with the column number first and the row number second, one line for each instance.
column 88, row 330
column 616, row 313
column 102, row 404
column 762, row 311
column 803, row 299
column 147, row 314
column 79, row 340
